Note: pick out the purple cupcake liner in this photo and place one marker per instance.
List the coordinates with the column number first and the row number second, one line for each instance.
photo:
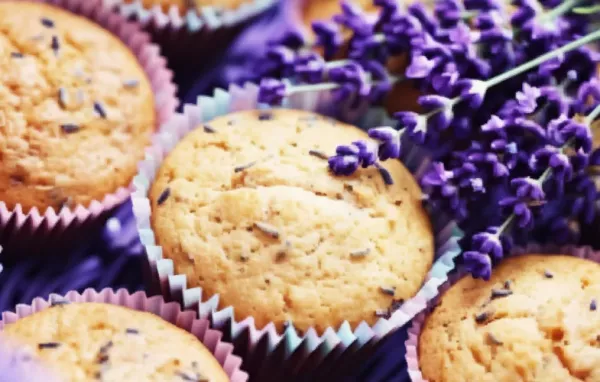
column 38, row 231
column 170, row 312
column 414, row 331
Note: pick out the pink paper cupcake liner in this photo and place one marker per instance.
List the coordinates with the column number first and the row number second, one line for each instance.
column 170, row 312
column 191, row 39
column 266, row 347
column 35, row 230
column 414, row 331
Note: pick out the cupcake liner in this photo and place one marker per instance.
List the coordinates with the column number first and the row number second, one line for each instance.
column 194, row 38
column 36, row 231
column 414, row 331
column 289, row 351
column 170, row 312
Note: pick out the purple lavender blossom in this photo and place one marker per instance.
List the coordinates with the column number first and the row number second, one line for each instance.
column 271, row 91
column 353, row 77
column 389, row 142
column 527, row 98
column 478, row 264
column 439, row 110
column 279, row 59
column 310, row 67
column 415, row 124
column 349, row 158
column 488, row 242
column 328, row 36
column 473, row 92
column 420, row 67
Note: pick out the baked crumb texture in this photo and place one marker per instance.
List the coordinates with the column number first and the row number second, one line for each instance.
column 537, row 319
column 185, row 5
column 247, row 208
column 76, row 109
column 103, row 342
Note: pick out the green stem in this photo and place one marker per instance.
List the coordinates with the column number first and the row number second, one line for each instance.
column 592, row 116
column 292, row 89
column 543, row 58
column 559, row 10
column 505, row 225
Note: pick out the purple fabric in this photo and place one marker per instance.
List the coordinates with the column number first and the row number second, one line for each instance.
column 113, row 259
column 239, row 63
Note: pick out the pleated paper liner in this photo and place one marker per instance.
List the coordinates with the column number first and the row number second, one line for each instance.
column 192, row 40
column 37, row 231
column 414, row 330
column 264, row 350
column 170, row 312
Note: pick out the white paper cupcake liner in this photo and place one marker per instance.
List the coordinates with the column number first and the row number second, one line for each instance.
column 266, row 346
column 194, row 20
column 170, row 312
column 34, row 231
column 192, row 40
column 414, row 331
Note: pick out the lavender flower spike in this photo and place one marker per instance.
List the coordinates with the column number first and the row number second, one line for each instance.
column 473, row 92
column 389, row 142
column 419, row 67
column 414, row 123
column 478, row 264
column 328, row 36
column 527, row 98
column 271, row 91
column 488, row 242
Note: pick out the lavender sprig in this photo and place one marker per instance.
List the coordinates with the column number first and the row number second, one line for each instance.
column 439, row 110
column 487, row 246
column 488, row 150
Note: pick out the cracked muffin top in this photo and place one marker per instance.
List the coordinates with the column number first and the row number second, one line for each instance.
column 104, row 342
column 537, row 319
column 76, row 109
column 247, row 208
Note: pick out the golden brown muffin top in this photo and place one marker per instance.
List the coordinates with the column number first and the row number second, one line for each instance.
column 184, row 5
column 103, row 342
column 76, row 108
column 245, row 211
column 537, row 319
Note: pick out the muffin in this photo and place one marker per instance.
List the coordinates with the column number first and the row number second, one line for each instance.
column 95, row 341
column 76, row 109
column 537, row 319
column 246, row 208
column 18, row 364
column 185, row 5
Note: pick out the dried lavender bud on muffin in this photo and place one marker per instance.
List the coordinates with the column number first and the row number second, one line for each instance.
column 19, row 364
column 537, row 319
column 76, row 109
column 185, row 5
column 247, row 208
column 92, row 342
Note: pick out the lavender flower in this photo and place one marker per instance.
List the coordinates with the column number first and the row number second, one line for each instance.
column 527, row 98
column 272, row 91
column 389, row 142
column 499, row 111
column 328, row 36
